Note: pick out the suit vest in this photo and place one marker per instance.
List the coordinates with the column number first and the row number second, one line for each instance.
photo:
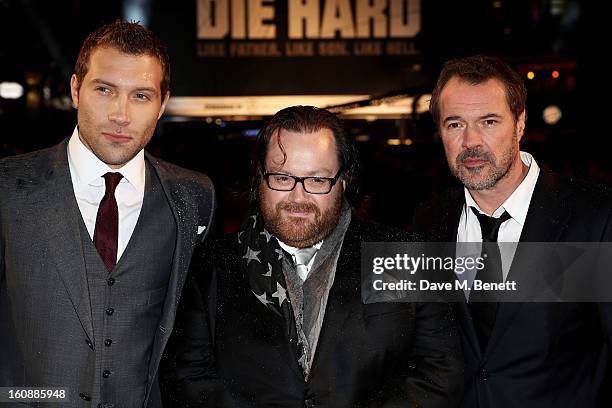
column 127, row 303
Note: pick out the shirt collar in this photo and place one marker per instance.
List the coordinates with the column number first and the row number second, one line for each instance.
column 292, row 250
column 517, row 204
column 90, row 169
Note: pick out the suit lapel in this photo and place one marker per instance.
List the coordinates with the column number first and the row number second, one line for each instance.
column 546, row 219
column 450, row 216
column 186, row 218
column 185, row 215
column 57, row 210
column 545, row 222
column 449, row 223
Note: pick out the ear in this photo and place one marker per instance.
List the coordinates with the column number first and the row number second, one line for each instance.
column 520, row 125
column 163, row 105
column 74, row 90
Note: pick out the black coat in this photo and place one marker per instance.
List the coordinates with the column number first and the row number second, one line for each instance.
column 539, row 354
column 384, row 354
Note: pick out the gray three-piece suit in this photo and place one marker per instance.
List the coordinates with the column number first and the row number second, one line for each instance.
column 64, row 320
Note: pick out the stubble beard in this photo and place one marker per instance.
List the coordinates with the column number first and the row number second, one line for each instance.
column 113, row 154
column 486, row 176
column 300, row 232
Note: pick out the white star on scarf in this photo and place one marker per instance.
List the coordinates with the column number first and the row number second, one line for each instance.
column 263, row 298
column 269, row 273
column 279, row 252
column 280, row 293
column 267, row 234
column 251, row 255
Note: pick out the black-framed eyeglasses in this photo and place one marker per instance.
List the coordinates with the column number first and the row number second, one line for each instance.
column 312, row 185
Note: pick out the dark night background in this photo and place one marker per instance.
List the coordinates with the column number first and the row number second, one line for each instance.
column 39, row 42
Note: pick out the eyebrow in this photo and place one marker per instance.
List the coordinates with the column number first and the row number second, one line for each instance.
column 490, row 115
column 487, row 116
column 140, row 89
column 449, row 118
column 316, row 173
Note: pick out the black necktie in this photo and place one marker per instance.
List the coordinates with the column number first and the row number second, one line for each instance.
column 107, row 223
column 482, row 303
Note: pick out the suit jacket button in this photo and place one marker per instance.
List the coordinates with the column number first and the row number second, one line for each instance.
column 483, row 374
column 89, row 343
column 106, row 374
column 110, row 311
column 85, row 396
column 110, row 281
column 108, row 342
column 309, row 403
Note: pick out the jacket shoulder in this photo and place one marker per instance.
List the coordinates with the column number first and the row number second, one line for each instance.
column 367, row 231
column 429, row 215
column 27, row 163
column 179, row 174
column 583, row 191
column 28, row 170
column 188, row 186
column 437, row 204
column 582, row 198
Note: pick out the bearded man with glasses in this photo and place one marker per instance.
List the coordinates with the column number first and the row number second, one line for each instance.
column 272, row 315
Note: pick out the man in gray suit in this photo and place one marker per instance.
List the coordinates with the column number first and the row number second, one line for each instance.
column 96, row 235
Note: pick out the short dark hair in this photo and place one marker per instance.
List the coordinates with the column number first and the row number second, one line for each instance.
column 476, row 70
column 129, row 38
column 306, row 119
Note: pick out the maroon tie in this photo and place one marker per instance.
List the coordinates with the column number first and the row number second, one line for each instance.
column 107, row 223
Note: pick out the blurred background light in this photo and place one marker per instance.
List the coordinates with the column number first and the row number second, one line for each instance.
column 552, row 115
column 11, row 90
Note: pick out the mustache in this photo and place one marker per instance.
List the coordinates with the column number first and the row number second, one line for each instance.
column 475, row 154
column 297, row 207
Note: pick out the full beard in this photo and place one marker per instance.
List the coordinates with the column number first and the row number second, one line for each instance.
column 490, row 173
column 300, row 232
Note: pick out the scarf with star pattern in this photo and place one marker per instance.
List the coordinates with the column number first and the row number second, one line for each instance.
column 262, row 259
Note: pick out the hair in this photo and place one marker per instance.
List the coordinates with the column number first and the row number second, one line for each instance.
column 129, row 38
column 306, row 119
column 476, row 70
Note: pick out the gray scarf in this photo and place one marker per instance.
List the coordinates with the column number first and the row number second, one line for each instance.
column 309, row 297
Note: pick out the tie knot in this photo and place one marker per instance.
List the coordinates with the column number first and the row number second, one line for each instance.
column 304, row 255
column 112, row 180
column 489, row 226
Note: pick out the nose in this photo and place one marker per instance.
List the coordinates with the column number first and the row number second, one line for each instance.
column 471, row 138
column 119, row 111
column 298, row 194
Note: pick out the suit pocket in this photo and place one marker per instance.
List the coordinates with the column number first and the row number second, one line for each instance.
column 157, row 295
column 388, row 327
column 149, row 297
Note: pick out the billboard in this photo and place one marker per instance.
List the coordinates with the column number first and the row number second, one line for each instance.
column 291, row 47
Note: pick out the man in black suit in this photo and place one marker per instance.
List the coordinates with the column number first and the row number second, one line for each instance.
column 274, row 315
column 96, row 235
column 516, row 354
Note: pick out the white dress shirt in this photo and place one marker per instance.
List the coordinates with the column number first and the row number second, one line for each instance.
column 292, row 250
column 510, row 231
column 87, row 171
